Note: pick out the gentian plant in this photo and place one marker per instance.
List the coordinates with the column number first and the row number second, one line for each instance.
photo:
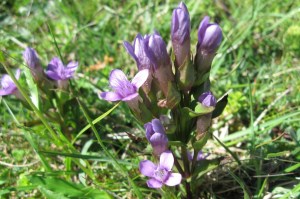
column 175, row 105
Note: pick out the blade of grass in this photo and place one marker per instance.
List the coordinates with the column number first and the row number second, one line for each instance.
column 122, row 169
column 95, row 121
column 242, row 184
column 235, row 157
column 29, row 139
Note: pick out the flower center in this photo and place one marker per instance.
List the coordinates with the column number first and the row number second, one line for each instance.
column 161, row 174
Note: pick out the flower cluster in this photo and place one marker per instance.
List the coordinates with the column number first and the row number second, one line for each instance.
column 56, row 73
column 177, row 91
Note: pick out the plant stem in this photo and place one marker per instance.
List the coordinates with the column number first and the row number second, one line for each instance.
column 186, row 171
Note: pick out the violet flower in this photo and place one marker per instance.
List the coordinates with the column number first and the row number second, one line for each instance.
column 60, row 73
column 123, row 89
column 180, row 33
column 57, row 71
column 160, row 174
column 8, row 85
column 32, row 61
column 155, row 134
column 207, row 99
column 209, row 36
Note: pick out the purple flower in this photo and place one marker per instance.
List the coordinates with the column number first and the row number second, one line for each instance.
column 8, row 86
column 207, row 99
column 122, row 88
column 180, row 33
column 57, row 71
column 155, row 134
column 160, row 174
column 209, row 36
column 200, row 156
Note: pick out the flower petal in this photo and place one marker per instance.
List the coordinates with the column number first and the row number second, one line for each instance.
column 129, row 48
column 174, row 179
column 166, row 160
column 130, row 97
column 147, row 168
column 152, row 183
column 53, row 75
column 55, row 69
column 159, row 143
column 202, row 28
column 18, row 73
column 140, row 78
column 157, row 126
column 6, row 81
column 110, row 96
column 117, row 79
column 149, row 130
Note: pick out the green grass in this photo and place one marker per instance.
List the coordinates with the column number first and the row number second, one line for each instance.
column 258, row 63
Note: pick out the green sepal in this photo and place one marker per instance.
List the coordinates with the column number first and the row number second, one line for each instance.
column 186, row 75
column 199, row 144
column 198, row 111
column 173, row 97
column 221, row 104
column 202, row 78
column 176, row 143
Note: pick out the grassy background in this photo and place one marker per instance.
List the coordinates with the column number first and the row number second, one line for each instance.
column 258, row 63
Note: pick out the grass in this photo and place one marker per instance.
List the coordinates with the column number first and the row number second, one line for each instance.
column 258, row 63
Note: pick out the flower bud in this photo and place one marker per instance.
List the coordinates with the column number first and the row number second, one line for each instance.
column 207, row 99
column 209, row 36
column 32, row 61
column 162, row 62
column 180, row 34
column 155, row 134
column 209, row 39
column 204, row 121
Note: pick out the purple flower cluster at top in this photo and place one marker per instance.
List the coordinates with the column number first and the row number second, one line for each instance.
column 149, row 52
column 57, row 71
column 160, row 174
column 7, row 84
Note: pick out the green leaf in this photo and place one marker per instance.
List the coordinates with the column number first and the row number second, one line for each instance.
column 292, row 168
column 221, row 104
column 205, row 166
column 95, row 121
column 58, row 188
column 32, row 88
column 199, row 144
column 242, row 184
